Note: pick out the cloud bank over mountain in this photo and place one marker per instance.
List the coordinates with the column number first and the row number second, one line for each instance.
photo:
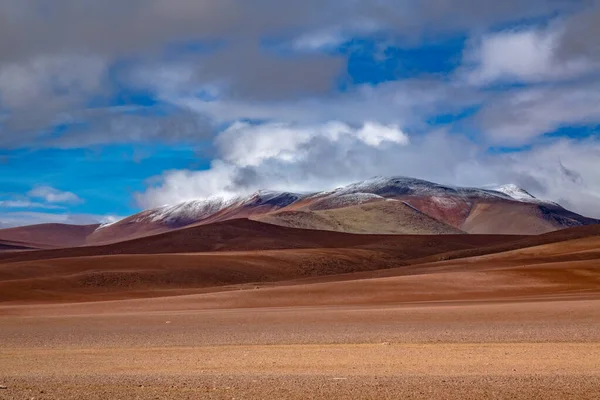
column 142, row 103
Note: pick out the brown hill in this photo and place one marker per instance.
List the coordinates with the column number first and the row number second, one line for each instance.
column 187, row 214
column 213, row 255
column 554, row 271
column 364, row 274
column 562, row 235
column 12, row 246
column 247, row 235
column 498, row 216
column 393, row 205
column 48, row 235
column 379, row 217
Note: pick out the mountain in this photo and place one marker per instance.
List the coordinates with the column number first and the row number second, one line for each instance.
column 12, row 246
column 392, row 217
column 382, row 205
column 169, row 217
column 225, row 253
column 48, row 235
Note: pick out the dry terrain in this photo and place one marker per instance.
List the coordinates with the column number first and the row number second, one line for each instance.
column 250, row 311
column 383, row 217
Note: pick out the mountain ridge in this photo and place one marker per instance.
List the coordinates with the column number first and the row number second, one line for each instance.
column 362, row 207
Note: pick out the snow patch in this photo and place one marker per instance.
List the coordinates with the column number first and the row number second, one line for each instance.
column 404, row 186
column 196, row 210
column 444, row 202
column 109, row 221
column 515, row 192
column 188, row 211
column 348, row 200
column 520, row 194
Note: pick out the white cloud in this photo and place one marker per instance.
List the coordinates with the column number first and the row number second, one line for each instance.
column 521, row 56
column 321, row 40
column 246, row 145
column 565, row 171
column 22, row 84
column 255, row 157
column 52, row 195
column 519, row 116
column 26, row 204
column 36, row 92
column 22, row 218
column 409, row 102
column 374, row 134
column 329, row 38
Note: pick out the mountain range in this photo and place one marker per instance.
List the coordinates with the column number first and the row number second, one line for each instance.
column 382, row 205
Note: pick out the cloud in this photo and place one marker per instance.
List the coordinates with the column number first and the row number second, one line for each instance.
column 322, row 40
column 26, row 204
column 137, row 125
column 22, row 218
column 522, row 56
column 35, row 92
column 579, row 39
column 319, row 159
column 54, row 64
column 116, row 125
column 52, row 195
column 517, row 117
column 209, row 64
column 409, row 102
column 255, row 157
column 246, row 145
column 29, row 28
column 267, row 73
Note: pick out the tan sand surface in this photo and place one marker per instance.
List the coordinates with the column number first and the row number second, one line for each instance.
column 522, row 324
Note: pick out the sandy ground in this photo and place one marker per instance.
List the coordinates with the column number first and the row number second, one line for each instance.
column 524, row 324
column 167, row 349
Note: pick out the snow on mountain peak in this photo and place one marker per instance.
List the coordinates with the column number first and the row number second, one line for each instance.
column 374, row 189
column 515, row 192
column 187, row 211
column 273, row 198
column 405, row 186
column 195, row 210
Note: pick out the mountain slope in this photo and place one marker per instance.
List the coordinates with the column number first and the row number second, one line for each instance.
column 420, row 207
column 167, row 218
column 225, row 253
column 379, row 217
column 11, row 246
column 48, row 235
column 504, row 210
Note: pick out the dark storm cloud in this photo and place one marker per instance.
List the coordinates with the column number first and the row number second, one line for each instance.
column 57, row 55
column 109, row 126
column 253, row 74
column 29, row 27
column 580, row 37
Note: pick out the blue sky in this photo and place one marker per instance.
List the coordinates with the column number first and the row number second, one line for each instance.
column 181, row 100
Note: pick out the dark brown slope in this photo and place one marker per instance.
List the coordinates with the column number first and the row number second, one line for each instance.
column 523, row 242
column 12, row 246
column 344, row 275
column 247, row 235
column 552, row 272
column 239, row 252
column 48, row 235
column 123, row 271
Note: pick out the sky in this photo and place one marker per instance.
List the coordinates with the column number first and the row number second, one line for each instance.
column 110, row 107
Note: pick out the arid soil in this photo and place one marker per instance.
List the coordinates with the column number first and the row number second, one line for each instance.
column 518, row 319
column 383, row 217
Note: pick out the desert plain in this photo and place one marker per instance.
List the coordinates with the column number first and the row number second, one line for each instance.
column 260, row 311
